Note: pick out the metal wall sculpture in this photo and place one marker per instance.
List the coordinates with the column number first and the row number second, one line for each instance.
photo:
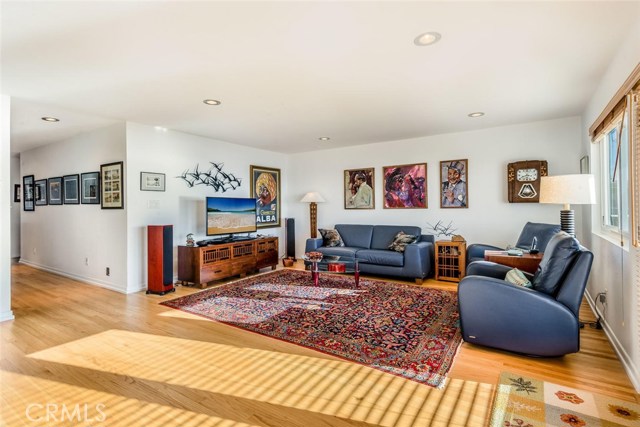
column 214, row 177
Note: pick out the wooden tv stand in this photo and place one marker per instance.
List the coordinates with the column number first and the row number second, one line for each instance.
column 202, row 264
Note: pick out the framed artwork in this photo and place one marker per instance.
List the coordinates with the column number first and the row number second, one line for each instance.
column 28, row 202
column 41, row 192
column 55, row 191
column 585, row 167
column 16, row 193
column 150, row 181
column 405, row 186
column 359, row 189
column 265, row 187
column 71, row 189
column 90, row 188
column 112, row 189
column 454, row 185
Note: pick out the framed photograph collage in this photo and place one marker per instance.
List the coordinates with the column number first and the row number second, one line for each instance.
column 405, row 186
column 74, row 189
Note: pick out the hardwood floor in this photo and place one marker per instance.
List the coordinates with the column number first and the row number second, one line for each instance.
column 81, row 355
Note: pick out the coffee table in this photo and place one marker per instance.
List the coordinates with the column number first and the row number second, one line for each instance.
column 334, row 265
column 525, row 262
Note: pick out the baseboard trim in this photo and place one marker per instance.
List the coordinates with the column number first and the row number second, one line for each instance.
column 627, row 362
column 83, row 279
column 7, row 315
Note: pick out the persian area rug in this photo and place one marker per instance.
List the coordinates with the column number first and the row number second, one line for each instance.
column 406, row 330
column 527, row 402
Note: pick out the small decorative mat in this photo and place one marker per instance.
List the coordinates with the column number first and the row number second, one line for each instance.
column 526, row 402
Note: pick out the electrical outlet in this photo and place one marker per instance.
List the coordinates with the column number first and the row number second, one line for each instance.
column 108, row 271
column 86, row 261
column 603, row 298
column 34, row 251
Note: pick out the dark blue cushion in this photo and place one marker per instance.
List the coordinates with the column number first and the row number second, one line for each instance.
column 381, row 257
column 339, row 251
column 355, row 235
column 383, row 235
column 558, row 255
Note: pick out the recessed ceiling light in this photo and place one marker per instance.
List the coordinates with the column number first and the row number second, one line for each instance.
column 50, row 119
column 324, row 138
column 476, row 114
column 212, row 102
column 427, row 38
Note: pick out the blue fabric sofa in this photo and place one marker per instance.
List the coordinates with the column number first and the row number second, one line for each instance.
column 369, row 245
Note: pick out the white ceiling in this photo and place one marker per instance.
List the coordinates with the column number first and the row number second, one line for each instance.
column 288, row 73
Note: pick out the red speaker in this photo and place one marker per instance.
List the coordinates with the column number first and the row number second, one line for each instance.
column 160, row 259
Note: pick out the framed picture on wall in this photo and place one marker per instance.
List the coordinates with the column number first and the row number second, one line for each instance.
column 90, row 188
column 55, row 191
column 111, row 175
column 151, row 181
column 41, row 192
column 70, row 189
column 454, row 185
column 405, row 186
column 359, row 189
column 265, row 187
column 16, row 193
column 28, row 202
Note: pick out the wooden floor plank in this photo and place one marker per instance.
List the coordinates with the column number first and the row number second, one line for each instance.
column 149, row 365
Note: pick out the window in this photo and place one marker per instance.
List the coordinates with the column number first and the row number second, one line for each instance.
column 615, row 177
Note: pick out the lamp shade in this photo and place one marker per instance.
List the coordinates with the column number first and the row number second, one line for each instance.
column 312, row 197
column 577, row 189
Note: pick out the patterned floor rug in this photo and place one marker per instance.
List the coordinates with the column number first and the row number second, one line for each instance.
column 526, row 402
column 406, row 330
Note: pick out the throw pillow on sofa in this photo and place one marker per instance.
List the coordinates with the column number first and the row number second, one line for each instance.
column 401, row 241
column 330, row 238
column 517, row 277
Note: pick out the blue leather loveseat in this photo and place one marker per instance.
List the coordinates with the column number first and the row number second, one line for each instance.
column 369, row 244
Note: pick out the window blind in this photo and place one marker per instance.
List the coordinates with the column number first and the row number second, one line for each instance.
column 616, row 105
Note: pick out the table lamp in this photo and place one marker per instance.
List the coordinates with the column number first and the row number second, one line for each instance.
column 567, row 190
column 313, row 199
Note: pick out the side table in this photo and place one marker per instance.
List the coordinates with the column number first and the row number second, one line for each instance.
column 450, row 260
column 524, row 262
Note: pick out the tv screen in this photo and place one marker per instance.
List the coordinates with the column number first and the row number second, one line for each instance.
column 228, row 215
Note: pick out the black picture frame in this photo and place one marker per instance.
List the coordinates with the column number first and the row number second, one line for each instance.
column 71, row 189
column 28, row 202
column 90, row 188
column 112, row 190
column 55, row 191
column 265, row 188
column 40, row 188
column 17, row 193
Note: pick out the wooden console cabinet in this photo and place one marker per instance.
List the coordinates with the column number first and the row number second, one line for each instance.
column 202, row 264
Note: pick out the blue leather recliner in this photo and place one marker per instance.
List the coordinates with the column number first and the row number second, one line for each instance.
column 542, row 232
column 541, row 321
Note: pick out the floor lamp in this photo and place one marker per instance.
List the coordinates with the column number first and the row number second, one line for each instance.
column 567, row 190
column 313, row 199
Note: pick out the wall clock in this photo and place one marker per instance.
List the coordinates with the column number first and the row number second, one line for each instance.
column 523, row 180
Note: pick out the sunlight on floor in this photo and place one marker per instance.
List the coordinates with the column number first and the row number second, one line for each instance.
column 32, row 401
column 318, row 385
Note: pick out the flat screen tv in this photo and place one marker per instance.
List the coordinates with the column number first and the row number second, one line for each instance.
column 229, row 215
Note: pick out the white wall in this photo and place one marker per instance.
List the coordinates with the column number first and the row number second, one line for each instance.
column 16, row 207
column 171, row 153
column 6, row 192
column 614, row 267
column 60, row 238
column 490, row 218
